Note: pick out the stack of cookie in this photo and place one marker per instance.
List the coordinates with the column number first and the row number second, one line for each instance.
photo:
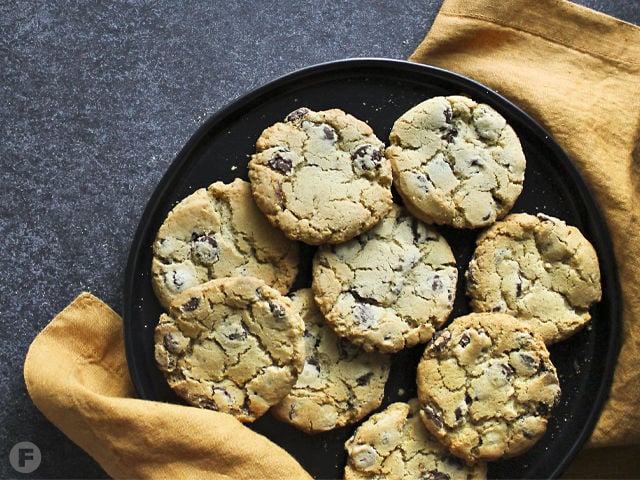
column 236, row 339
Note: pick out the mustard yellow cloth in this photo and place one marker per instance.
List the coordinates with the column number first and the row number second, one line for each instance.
column 576, row 71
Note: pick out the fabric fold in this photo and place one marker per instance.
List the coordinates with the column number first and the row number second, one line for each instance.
column 76, row 374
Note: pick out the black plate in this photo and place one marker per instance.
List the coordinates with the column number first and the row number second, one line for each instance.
column 378, row 91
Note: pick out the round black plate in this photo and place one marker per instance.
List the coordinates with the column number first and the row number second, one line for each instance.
column 378, row 91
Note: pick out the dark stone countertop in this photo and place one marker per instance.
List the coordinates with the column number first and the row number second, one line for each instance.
column 96, row 99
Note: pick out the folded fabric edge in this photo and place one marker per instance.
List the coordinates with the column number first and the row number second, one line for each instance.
column 558, row 21
column 32, row 379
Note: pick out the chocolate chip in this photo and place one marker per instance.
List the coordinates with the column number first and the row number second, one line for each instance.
column 205, row 248
column 191, row 305
column 528, row 360
column 242, row 335
column 435, row 475
column 366, row 158
column 311, row 360
column 296, row 114
column 172, row 363
column 464, row 340
column 449, row 135
column 448, row 114
column 363, row 380
column 507, row 369
column 422, row 180
column 438, row 341
column 329, row 133
column 437, row 284
column 366, row 150
column 519, row 289
column 415, row 229
column 277, row 310
column 311, row 336
column 280, row 163
column 177, row 280
column 434, row 416
column 458, row 413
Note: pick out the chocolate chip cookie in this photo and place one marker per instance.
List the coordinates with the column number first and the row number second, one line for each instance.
column 389, row 288
column 539, row 269
column 321, row 177
column 487, row 387
column 232, row 344
column 340, row 383
column 395, row 445
column 219, row 232
column 456, row 162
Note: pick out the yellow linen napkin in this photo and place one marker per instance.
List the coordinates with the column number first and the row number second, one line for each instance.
column 578, row 73
column 76, row 373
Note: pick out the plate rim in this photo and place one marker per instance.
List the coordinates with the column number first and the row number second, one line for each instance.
column 585, row 194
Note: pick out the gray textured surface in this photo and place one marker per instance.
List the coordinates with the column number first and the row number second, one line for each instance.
column 96, row 99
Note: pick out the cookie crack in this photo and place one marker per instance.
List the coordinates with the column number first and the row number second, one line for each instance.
column 246, row 327
column 362, row 299
column 481, row 367
column 232, row 362
column 537, row 283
